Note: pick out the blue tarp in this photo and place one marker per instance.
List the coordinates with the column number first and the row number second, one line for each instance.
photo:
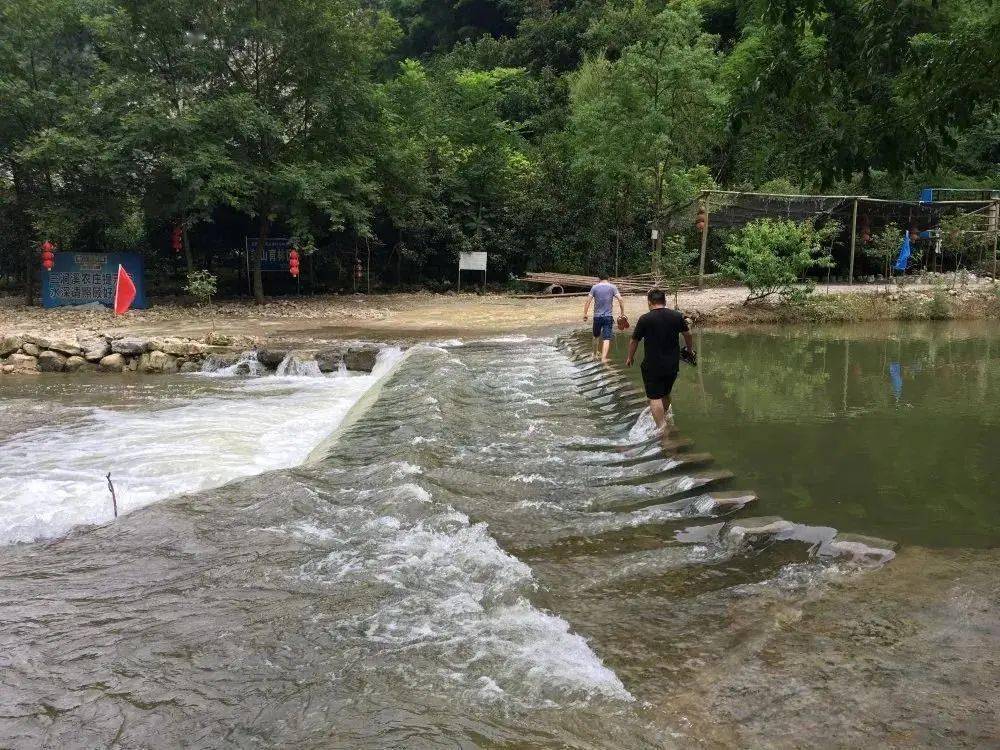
column 904, row 253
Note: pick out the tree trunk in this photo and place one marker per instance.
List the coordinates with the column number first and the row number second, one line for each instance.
column 258, row 256
column 187, row 250
column 24, row 227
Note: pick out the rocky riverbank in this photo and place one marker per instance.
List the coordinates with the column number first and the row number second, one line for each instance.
column 90, row 351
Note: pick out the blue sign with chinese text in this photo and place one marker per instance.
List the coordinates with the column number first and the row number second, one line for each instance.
column 275, row 255
column 83, row 278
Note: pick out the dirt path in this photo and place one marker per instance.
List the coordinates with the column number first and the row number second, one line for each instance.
column 418, row 316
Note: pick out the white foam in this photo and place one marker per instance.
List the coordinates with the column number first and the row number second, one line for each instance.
column 246, row 365
column 292, row 366
column 53, row 477
column 462, row 600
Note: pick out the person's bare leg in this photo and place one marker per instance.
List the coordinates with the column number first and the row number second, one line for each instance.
column 605, row 348
column 597, row 345
column 659, row 412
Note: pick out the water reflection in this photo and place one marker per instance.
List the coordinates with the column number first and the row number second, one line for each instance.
column 885, row 430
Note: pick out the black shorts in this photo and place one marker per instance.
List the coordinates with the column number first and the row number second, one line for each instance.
column 658, row 384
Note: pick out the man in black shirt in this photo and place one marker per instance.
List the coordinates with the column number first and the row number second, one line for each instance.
column 659, row 329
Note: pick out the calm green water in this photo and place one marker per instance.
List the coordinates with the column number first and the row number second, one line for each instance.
column 886, row 429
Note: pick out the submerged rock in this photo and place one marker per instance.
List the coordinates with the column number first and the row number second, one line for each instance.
column 50, row 361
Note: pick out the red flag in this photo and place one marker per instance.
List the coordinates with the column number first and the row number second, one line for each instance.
column 124, row 291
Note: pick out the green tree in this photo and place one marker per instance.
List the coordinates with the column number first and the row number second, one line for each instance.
column 676, row 262
column 62, row 173
column 269, row 107
column 642, row 122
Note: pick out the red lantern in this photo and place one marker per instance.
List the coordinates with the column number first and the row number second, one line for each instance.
column 48, row 258
column 177, row 239
column 700, row 224
column 359, row 272
column 293, row 262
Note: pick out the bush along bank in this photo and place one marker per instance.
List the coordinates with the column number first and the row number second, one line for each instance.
column 27, row 354
column 895, row 303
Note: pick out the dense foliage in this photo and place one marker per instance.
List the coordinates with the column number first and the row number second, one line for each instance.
column 551, row 134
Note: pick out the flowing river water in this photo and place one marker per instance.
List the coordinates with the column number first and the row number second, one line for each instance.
column 483, row 545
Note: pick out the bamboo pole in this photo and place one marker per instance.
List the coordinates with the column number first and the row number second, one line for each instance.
column 704, row 247
column 854, row 239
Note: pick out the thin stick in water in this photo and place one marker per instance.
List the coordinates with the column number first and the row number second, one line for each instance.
column 114, row 500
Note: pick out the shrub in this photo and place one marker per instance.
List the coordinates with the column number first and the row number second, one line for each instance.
column 772, row 256
column 939, row 306
column 201, row 285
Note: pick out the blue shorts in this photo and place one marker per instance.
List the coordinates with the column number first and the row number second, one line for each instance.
column 604, row 327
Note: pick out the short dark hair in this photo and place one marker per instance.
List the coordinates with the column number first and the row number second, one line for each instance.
column 603, row 276
column 656, row 297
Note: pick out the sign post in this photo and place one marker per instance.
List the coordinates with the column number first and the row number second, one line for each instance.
column 471, row 262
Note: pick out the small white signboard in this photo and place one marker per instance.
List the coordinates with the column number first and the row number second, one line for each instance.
column 472, row 261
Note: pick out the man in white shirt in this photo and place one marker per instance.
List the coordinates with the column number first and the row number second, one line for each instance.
column 602, row 296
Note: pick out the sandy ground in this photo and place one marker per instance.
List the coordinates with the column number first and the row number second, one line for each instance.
column 389, row 317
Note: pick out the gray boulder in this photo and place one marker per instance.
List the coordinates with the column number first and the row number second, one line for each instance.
column 63, row 345
column 95, row 348
column 129, row 345
column 157, row 361
column 177, row 346
column 22, row 363
column 329, row 360
column 218, row 360
column 361, row 357
column 74, row 363
column 50, row 361
column 271, row 358
column 10, row 344
column 31, row 349
column 190, row 366
column 113, row 362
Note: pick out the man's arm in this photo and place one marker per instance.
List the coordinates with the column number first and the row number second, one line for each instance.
column 621, row 302
column 688, row 339
column 586, row 306
column 633, row 344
